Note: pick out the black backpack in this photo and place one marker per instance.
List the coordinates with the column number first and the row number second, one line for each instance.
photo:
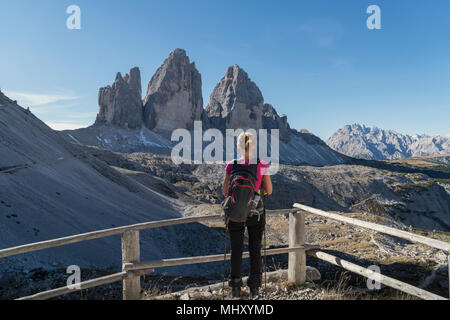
column 241, row 191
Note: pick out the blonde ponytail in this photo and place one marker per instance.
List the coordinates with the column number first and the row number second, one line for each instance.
column 246, row 141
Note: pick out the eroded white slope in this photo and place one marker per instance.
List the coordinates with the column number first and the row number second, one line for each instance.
column 48, row 190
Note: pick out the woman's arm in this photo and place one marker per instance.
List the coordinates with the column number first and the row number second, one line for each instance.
column 225, row 184
column 267, row 184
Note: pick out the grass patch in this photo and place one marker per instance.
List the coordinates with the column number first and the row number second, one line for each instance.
column 444, row 181
column 343, row 288
column 428, row 232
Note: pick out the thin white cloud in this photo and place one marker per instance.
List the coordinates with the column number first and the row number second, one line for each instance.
column 339, row 63
column 36, row 99
column 81, row 115
column 325, row 33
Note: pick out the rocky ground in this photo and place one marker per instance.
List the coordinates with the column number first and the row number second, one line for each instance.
column 273, row 290
column 280, row 290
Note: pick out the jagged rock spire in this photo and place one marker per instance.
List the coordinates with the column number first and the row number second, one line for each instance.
column 237, row 102
column 121, row 103
column 174, row 95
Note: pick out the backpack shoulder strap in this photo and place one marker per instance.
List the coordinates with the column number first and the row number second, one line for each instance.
column 255, row 167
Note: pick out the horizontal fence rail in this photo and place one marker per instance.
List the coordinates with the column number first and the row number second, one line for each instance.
column 137, row 269
column 212, row 258
column 390, row 282
column 379, row 228
column 100, row 234
column 86, row 285
column 31, row 247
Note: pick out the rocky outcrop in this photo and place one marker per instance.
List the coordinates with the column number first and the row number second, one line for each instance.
column 174, row 95
column 121, row 103
column 369, row 142
column 237, row 102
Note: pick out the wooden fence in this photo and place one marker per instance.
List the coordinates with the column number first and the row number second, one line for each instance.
column 393, row 283
column 133, row 268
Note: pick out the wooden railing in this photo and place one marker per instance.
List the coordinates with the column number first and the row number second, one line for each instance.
column 393, row 283
column 133, row 269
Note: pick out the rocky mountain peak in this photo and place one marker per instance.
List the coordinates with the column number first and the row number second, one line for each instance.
column 234, row 89
column 236, row 102
column 174, row 95
column 120, row 104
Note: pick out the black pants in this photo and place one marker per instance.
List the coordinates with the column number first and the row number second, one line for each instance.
column 255, row 232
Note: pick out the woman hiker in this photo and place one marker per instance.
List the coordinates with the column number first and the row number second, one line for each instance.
column 245, row 174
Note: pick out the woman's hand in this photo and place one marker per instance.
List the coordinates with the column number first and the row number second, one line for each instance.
column 267, row 184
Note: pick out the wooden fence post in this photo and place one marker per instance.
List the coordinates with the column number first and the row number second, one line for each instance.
column 297, row 259
column 131, row 252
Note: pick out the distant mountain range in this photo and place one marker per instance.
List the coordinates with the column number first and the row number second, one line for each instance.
column 369, row 142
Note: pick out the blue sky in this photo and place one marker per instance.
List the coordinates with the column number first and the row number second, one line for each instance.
column 315, row 61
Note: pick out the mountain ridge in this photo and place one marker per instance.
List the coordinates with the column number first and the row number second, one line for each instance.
column 373, row 143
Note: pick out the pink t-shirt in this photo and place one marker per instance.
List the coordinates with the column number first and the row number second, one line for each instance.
column 260, row 171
